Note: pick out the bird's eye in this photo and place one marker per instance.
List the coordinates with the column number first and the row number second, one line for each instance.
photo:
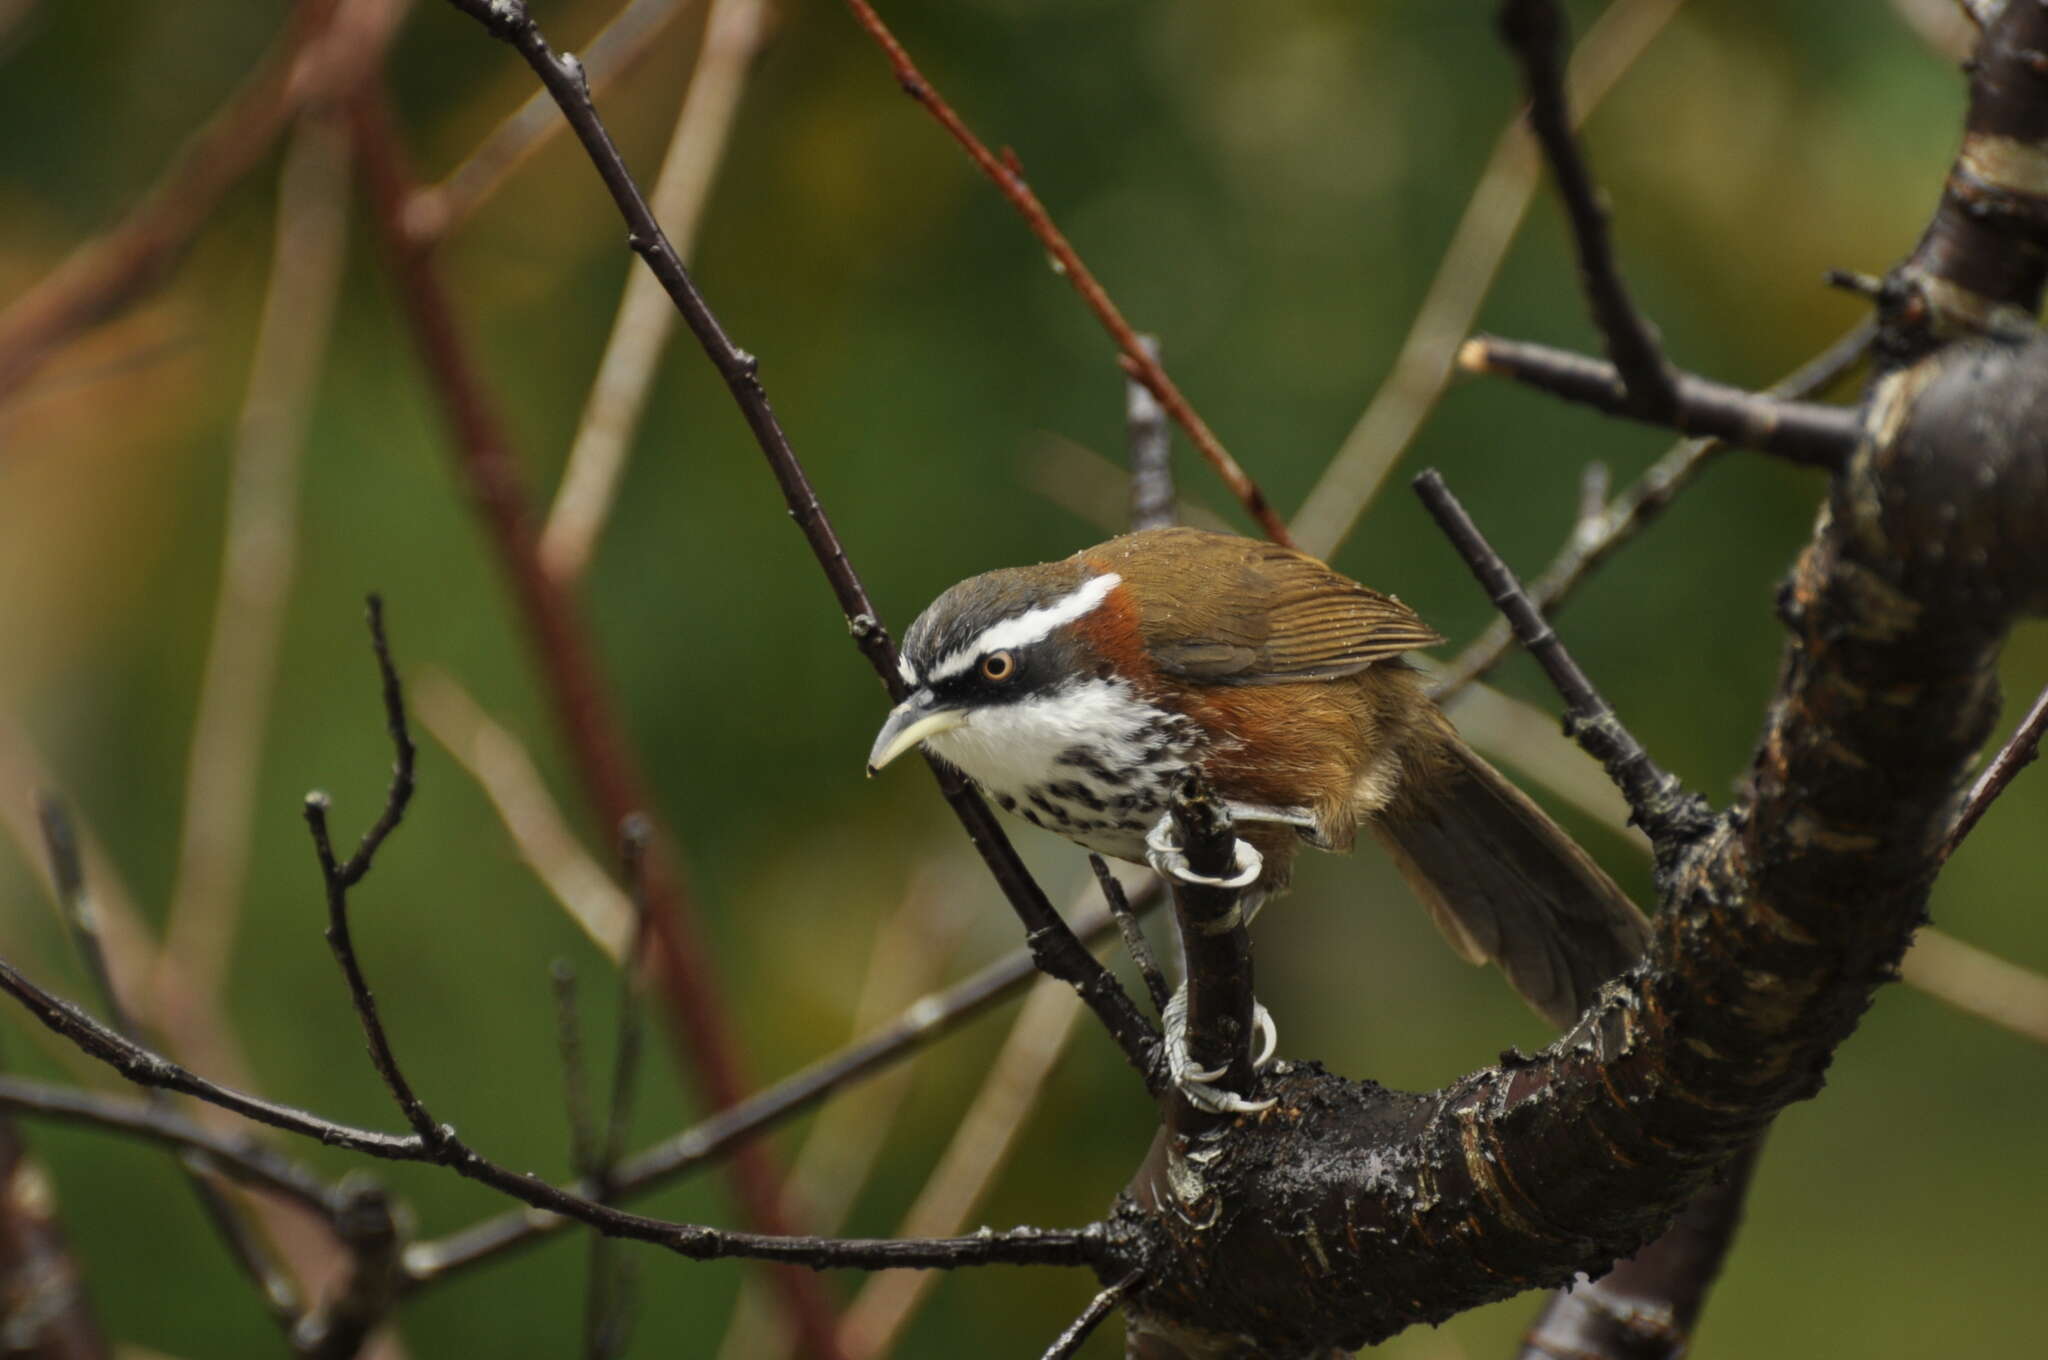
column 998, row 666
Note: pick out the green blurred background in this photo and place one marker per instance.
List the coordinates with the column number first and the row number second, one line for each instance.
column 1267, row 187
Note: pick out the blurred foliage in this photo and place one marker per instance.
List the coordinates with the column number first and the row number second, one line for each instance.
column 1268, row 187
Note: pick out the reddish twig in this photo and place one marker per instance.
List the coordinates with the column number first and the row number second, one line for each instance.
column 2013, row 757
column 1008, row 177
column 567, row 661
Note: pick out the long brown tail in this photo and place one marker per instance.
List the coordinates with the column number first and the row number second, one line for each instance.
column 1506, row 885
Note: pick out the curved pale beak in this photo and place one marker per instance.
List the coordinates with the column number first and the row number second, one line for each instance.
column 910, row 722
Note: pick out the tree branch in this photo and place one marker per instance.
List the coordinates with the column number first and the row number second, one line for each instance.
column 1604, row 527
column 1673, row 819
column 925, row 1020
column 1534, row 31
column 1799, row 432
column 2017, row 753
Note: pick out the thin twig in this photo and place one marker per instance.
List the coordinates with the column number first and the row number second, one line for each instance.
column 280, row 1294
column 2017, row 753
column 145, row 1067
column 1149, row 440
column 1098, row 1310
column 1059, row 953
column 733, row 33
column 258, row 556
column 1008, row 177
column 1671, row 817
column 502, row 767
column 922, row 1022
column 1534, row 30
column 436, row 210
column 1493, row 216
column 1797, row 431
column 339, row 877
column 1133, row 933
column 1604, row 528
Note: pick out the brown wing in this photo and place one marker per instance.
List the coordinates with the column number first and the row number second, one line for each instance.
column 1224, row 610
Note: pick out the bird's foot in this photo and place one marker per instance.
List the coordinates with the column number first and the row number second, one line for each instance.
column 1164, row 852
column 1197, row 1085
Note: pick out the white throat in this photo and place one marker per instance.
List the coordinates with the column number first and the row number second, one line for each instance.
column 1014, row 748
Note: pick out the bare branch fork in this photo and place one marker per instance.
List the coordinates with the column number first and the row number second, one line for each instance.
column 1604, row 525
column 1059, row 952
column 1639, row 382
column 1534, row 31
column 438, row 1144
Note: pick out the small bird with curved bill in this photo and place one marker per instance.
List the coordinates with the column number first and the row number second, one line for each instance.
column 1074, row 693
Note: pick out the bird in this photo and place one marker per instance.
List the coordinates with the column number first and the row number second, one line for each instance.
column 1076, row 694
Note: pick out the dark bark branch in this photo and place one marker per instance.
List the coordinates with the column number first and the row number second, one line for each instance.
column 1799, row 432
column 1133, row 933
column 616, row 50
column 1534, row 30
column 1524, row 1174
column 923, row 1022
column 242, row 1157
column 1673, row 819
column 338, row 878
column 1980, row 266
column 1645, row 1308
column 145, row 1067
column 1008, row 177
column 1059, row 953
column 1218, row 951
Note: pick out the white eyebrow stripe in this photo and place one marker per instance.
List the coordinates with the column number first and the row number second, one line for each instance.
column 1033, row 625
column 906, row 670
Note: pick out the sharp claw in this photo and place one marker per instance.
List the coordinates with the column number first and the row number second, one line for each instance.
column 1269, row 1037
column 1197, row 1085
